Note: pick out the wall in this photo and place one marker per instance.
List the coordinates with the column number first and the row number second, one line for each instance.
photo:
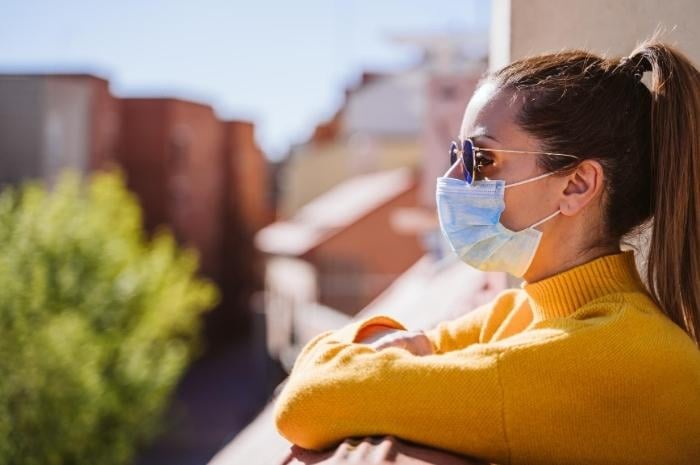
column 523, row 27
column 66, row 122
column 49, row 123
column 172, row 154
column 248, row 175
column 142, row 155
column 195, row 184
column 21, row 106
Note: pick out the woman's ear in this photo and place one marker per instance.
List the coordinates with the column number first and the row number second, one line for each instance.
column 583, row 185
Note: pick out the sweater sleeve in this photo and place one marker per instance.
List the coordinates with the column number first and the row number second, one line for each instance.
column 477, row 326
column 339, row 388
column 460, row 332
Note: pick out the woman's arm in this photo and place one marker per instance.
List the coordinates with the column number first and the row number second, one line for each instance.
column 340, row 388
column 461, row 332
column 477, row 326
column 358, row 361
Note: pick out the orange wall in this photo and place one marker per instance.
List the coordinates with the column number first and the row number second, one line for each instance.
column 171, row 153
column 105, row 126
column 249, row 182
column 195, row 189
column 142, row 155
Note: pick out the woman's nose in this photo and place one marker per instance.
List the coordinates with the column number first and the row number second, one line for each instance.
column 455, row 171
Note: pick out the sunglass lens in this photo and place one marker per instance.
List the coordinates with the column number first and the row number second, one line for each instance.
column 468, row 161
column 453, row 153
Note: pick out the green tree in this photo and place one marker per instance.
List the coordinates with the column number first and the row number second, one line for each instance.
column 97, row 323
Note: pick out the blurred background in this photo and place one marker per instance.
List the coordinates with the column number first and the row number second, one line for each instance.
column 191, row 191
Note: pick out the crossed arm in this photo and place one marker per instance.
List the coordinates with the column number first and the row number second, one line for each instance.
column 445, row 337
column 365, row 380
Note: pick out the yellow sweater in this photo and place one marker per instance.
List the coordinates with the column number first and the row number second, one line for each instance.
column 579, row 368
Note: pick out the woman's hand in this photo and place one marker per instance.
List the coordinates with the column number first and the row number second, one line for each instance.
column 415, row 342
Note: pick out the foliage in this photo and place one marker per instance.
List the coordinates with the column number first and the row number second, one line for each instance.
column 98, row 323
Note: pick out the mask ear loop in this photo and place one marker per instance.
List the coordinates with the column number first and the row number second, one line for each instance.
column 544, row 220
column 536, row 178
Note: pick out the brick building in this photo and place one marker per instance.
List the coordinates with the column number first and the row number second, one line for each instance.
column 53, row 122
column 202, row 178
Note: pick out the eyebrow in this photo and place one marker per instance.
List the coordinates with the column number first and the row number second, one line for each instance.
column 482, row 135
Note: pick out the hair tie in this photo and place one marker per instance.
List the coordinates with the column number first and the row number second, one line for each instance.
column 634, row 66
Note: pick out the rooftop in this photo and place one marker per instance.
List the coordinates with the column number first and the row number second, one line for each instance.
column 333, row 211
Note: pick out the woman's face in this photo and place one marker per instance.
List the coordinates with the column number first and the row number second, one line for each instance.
column 570, row 238
column 489, row 121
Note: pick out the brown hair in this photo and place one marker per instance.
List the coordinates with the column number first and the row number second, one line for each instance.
column 647, row 139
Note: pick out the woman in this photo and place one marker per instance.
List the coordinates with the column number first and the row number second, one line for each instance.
column 584, row 364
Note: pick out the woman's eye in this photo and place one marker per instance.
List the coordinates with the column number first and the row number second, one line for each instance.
column 483, row 161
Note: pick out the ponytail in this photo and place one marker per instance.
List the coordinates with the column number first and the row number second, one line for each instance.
column 673, row 269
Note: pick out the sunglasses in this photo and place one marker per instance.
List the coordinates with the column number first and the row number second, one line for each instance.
column 467, row 152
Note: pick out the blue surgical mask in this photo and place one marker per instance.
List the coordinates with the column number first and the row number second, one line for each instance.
column 470, row 221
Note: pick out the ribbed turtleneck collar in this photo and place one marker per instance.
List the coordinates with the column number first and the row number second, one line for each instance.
column 564, row 293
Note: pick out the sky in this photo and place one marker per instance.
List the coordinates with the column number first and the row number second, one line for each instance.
column 281, row 64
